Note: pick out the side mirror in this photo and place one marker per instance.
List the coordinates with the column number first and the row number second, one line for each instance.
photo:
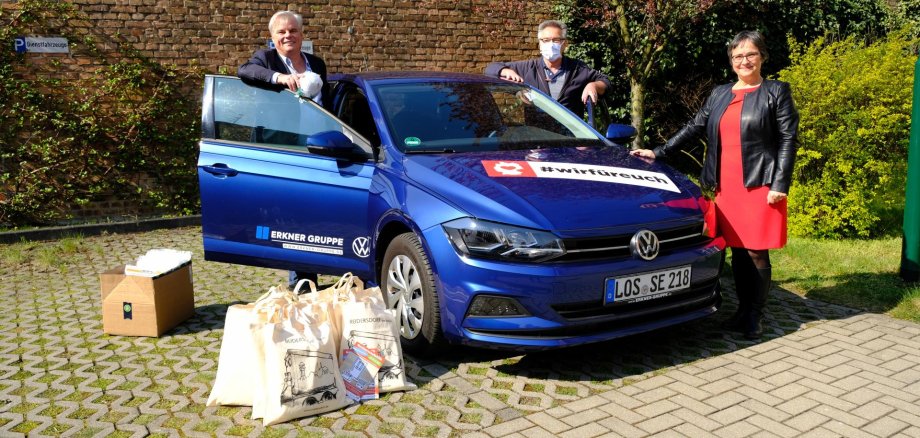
column 620, row 134
column 333, row 144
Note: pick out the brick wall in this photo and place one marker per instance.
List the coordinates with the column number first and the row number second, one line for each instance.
column 219, row 35
column 357, row 35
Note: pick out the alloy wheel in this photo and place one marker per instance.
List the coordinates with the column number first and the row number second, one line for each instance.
column 404, row 293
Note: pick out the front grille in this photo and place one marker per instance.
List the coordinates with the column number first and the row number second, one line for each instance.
column 614, row 247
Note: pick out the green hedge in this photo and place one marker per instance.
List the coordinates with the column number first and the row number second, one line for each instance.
column 854, row 100
column 129, row 129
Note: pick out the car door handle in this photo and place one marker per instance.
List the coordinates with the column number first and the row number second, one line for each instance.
column 220, row 169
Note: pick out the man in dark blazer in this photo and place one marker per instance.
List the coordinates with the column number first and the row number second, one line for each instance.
column 281, row 67
column 569, row 81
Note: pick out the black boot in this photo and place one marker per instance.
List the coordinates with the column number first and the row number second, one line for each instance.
column 742, row 270
column 762, row 283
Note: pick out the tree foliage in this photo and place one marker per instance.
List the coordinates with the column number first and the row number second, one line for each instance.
column 699, row 61
column 695, row 61
column 906, row 15
column 701, row 46
column 692, row 60
column 637, row 33
column 854, row 100
column 71, row 139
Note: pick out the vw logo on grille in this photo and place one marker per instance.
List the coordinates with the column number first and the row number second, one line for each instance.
column 644, row 244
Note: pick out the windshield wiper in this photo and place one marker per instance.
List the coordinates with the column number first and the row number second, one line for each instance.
column 432, row 151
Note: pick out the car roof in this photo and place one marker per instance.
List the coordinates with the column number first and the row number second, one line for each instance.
column 411, row 76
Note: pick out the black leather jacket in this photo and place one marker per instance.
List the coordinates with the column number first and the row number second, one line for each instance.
column 769, row 134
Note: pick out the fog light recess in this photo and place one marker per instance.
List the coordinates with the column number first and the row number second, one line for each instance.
column 492, row 306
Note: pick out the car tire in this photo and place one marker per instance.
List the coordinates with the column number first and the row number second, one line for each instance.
column 408, row 286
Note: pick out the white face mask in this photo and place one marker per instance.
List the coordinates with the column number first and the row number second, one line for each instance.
column 551, row 51
column 310, row 83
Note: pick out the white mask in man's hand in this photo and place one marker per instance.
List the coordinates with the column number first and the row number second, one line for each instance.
column 551, row 51
column 310, row 84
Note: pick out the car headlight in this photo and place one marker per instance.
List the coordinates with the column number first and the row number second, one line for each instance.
column 484, row 239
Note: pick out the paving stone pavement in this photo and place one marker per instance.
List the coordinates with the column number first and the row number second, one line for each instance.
column 821, row 370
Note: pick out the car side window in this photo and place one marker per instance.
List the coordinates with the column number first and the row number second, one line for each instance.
column 355, row 111
column 243, row 113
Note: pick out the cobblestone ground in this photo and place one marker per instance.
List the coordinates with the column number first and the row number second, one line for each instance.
column 821, row 370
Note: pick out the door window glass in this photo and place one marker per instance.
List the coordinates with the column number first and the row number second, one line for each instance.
column 249, row 114
column 356, row 112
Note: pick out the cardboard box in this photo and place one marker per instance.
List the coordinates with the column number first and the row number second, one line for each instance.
column 146, row 306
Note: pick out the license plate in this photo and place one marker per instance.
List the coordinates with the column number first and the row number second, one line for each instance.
column 646, row 286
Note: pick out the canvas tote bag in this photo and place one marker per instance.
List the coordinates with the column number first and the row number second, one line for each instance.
column 238, row 360
column 347, row 284
column 367, row 320
column 301, row 375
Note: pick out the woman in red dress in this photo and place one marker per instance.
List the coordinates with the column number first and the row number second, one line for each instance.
column 751, row 131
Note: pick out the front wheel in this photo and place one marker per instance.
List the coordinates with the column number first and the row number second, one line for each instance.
column 408, row 286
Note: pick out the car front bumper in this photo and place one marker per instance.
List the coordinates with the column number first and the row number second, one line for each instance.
column 565, row 301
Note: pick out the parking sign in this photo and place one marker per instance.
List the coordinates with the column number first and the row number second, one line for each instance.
column 40, row 44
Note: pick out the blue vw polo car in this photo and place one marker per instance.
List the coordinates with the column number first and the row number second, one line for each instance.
column 488, row 214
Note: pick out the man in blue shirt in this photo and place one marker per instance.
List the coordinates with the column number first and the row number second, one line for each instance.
column 569, row 81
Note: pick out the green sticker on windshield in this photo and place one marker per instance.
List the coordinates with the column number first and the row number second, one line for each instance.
column 412, row 141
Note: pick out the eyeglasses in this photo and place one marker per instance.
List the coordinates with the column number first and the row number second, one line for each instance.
column 737, row 59
column 551, row 40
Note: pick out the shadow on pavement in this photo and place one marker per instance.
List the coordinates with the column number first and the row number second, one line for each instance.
column 53, row 351
column 622, row 361
column 207, row 318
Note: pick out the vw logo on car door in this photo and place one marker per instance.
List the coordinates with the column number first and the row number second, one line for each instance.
column 644, row 244
column 361, row 247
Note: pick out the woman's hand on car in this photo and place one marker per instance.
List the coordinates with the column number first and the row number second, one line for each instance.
column 643, row 153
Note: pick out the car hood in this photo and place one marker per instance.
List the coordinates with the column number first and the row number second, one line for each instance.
column 560, row 189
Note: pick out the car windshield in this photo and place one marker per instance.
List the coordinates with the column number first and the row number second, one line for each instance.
column 478, row 116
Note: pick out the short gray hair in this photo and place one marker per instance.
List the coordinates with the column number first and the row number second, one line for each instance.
column 754, row 37
column 285, row 14
column 552, row 23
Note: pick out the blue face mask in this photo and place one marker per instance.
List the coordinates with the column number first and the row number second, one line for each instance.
column 551, row 51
